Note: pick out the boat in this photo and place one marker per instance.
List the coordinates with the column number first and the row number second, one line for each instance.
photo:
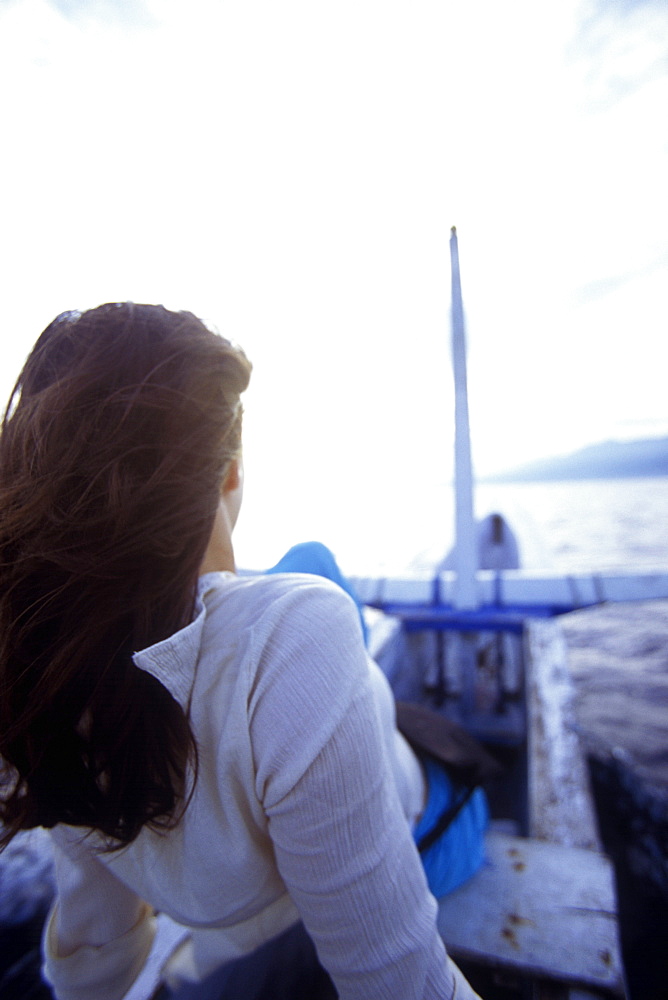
column 539, row 920
column 477, row 639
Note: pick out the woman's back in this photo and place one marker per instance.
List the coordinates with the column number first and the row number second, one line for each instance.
column 278, row 696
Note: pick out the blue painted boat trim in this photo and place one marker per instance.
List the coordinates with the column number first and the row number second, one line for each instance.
column 492, row 618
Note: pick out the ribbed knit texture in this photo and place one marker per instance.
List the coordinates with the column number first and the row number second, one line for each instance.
column 300, row 809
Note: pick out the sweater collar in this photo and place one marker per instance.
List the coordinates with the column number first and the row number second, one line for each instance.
column 173, row 660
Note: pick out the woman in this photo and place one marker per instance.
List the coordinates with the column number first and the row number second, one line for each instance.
column 212, row 747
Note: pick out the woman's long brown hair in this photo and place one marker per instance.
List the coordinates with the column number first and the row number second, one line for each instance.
column 113, row 450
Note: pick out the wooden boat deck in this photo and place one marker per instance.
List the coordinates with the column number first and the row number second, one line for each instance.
column 542, row 912
column 541, row 909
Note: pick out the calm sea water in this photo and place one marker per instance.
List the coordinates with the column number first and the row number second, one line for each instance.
column 603, row 524
column 597, row 524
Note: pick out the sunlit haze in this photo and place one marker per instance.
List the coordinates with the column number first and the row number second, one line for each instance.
column 290, row 172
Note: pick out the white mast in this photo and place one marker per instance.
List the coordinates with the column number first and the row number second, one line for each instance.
column 466, row 557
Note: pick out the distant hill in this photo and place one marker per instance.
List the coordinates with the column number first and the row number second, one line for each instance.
column 608, row 460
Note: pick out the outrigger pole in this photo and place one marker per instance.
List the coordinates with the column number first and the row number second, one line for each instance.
column 466, row 554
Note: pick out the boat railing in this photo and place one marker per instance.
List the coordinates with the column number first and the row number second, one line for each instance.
column 504, row 598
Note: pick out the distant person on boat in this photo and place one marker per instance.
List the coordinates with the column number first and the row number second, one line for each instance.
column 211, row 747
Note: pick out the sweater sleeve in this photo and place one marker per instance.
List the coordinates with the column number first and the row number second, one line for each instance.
column 99, row 932
column 342, row 843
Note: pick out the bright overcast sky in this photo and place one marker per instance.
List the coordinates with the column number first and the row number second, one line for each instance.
column 290, row 171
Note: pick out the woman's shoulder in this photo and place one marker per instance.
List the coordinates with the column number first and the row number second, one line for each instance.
column 281, row 660
column 239, row 619
column 282, row 629
column 256, row 599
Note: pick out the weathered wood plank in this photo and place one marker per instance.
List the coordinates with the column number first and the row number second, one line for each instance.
column 560, row 802
column 544, row 909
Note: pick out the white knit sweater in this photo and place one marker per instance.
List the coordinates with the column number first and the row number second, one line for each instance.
column 302, row 809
